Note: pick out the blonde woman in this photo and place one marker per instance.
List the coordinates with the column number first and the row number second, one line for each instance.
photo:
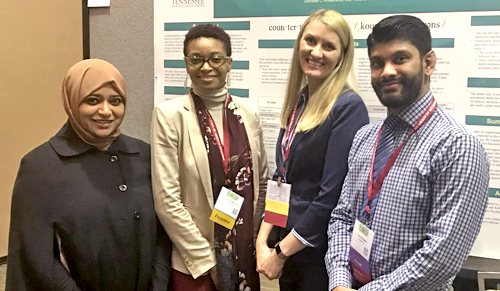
column 319, row 119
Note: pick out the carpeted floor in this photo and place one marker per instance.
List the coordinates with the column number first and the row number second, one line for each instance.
column 3, row 270
column 266, row 285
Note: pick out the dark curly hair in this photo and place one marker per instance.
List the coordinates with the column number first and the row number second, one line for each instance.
column 208, row 30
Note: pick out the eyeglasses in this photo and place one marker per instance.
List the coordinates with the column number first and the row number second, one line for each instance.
column 198, row 61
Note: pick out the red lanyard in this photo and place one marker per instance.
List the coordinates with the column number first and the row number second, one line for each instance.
column 374, row 188
column 291, row 132
column 223, row 148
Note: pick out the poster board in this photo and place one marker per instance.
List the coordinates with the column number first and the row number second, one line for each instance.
column 466, row 39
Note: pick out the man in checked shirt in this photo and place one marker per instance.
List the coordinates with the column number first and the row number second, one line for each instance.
column 426, row 210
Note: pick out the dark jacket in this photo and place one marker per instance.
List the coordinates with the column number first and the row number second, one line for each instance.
column 316, row 169
column 100, row 203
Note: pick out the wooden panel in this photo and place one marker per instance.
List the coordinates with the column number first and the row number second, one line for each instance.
column 40, row 41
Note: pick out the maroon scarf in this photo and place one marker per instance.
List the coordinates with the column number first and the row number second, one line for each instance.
column 234, row 249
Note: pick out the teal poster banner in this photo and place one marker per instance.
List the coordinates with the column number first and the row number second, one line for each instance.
column 268, row 8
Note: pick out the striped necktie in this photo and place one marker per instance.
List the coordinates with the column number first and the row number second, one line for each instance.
column 385, row 146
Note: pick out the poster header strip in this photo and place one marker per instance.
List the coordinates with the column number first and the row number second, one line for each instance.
column 483, row 83
column 443, row 43
column 174, row 64
column 436, row 43
column 240, row 65
column 494, row 192
column 276, row 43
column 266, row 8
column 226, row 25
column 485, row 20
column 360, row 43
column 175, row 90
column 245, row 93
column 482, row 120
column 171, row 90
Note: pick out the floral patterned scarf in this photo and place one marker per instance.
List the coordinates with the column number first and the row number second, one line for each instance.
column 234, row 249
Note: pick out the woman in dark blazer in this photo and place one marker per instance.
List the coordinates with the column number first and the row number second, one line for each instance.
column 82, row 208
column 319, row 119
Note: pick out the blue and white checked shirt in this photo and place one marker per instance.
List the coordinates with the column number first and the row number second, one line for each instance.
column 430, row 206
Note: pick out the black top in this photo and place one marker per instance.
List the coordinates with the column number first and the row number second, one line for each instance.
column 316, row 169
column 100, row 203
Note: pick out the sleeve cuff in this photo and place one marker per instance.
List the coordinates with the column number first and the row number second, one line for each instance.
column 340, row 277
column 301, row 238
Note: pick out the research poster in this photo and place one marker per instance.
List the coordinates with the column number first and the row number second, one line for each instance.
column 466, row 39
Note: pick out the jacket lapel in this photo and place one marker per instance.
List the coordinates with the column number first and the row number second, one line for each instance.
column 198, row 147
column 295, row 142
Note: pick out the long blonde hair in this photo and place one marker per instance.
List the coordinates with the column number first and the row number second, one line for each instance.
column 340, row 80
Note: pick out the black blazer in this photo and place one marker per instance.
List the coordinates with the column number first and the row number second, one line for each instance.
column 101, row 206
column 316, row 168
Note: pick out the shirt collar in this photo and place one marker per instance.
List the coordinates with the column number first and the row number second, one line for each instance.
column 304, row 93
column 412, row 113
column 303, row 96
column 66, row 143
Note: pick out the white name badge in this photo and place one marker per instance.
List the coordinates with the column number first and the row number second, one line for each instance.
column 277, row 203
column 227, row 207
column 277, row 192
column 359, row 253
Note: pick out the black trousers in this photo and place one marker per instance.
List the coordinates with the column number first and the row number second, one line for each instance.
column 300, row 276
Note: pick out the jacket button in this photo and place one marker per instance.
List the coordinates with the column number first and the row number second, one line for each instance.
column 189, row 264
column 114, row 159
column 123, row 187
column 137, row 215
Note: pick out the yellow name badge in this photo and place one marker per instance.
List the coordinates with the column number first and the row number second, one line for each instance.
column 227, row 207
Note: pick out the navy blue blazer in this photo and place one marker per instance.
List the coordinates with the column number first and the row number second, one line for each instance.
column 316, row 168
